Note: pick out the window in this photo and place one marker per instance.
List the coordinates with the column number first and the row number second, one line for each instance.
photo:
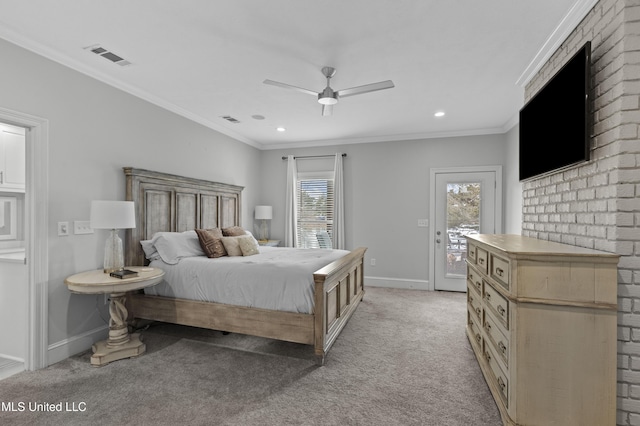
column 314, row 191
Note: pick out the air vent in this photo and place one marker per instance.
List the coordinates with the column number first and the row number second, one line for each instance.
column 101, row 51
column 230, row 119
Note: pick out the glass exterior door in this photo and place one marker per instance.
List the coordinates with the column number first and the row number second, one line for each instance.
column 464, row 206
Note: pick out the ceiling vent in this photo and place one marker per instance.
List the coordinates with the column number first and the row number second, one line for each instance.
column 101, row 51
column 230, row 119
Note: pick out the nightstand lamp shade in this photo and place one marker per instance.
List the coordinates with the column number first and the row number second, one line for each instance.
column 264, row 213
column 113, row 215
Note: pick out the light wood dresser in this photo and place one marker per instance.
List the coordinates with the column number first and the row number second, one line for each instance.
column 541, row 319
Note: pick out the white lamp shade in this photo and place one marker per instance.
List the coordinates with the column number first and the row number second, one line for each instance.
column 112, row 215
column 264, row 212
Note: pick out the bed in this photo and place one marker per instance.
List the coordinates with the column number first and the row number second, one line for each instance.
column 176, row 204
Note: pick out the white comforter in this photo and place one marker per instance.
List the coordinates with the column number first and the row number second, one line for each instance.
column 279, row 278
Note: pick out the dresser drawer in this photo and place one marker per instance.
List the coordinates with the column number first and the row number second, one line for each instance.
column 499, row 378
column 497, row 336
column 474, row 303
column 471, row 253
column 474, row 280
column 482, row 260
column 499, row 270
column 474, row 328
column 497, row 304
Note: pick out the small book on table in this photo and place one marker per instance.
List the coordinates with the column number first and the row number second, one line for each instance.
column 125, row 273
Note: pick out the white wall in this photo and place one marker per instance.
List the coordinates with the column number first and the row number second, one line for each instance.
column 386, row 192
column 95, row 130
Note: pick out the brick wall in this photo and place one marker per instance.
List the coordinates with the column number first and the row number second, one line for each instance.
column 597, row 205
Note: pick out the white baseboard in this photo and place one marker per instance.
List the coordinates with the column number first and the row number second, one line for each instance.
column 10, row 367
column 75, row 344
column 396, row 283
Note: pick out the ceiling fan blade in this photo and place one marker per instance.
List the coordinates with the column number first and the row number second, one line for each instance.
column 387, row 84
column 327, row 110
column 288, row 86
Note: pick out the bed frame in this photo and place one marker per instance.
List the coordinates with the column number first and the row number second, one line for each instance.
column 166, row 202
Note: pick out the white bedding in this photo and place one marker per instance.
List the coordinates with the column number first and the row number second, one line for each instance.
column 279, row 278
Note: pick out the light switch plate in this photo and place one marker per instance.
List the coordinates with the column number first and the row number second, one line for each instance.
column 82, row 227
column 63, row 229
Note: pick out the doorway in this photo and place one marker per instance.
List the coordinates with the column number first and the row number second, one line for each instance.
column 464, row 202
column 36, row 200
column 13, row 270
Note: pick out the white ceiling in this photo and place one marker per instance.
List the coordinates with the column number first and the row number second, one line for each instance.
column 205, row 59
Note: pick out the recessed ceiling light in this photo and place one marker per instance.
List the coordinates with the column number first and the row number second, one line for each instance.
column 439, row 114
column 258, row 117
column 280, row 129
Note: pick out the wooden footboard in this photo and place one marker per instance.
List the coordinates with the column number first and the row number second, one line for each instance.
column 339, row 288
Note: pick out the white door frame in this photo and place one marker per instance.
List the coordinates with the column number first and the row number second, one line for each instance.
column 37, row 234
column 432, row 207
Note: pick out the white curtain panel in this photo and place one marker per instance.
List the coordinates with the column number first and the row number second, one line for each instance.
column 290, row 217
column 338, row 204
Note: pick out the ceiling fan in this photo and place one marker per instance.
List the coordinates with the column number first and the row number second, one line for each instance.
column 328, row 97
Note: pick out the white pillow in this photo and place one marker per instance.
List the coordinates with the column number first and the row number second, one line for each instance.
column 150, row 251
column 173, row 246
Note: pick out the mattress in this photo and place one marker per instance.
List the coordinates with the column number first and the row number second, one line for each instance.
column 279, row 278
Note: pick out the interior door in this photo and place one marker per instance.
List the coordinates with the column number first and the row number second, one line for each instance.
column 465, row 204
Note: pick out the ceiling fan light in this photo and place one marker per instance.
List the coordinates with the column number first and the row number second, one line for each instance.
column 327, row 101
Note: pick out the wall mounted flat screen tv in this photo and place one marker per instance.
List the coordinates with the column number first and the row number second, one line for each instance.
column 555, row 123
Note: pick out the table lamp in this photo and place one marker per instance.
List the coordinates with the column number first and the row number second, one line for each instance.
column 264, row 213
column 113, row 215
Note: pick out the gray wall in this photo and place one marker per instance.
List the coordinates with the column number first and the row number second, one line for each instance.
column 95, row 130
column 386, row 192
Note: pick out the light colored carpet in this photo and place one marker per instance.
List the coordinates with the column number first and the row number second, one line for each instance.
column 403, row 359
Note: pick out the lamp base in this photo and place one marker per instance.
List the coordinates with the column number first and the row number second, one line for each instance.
column 113, row 253
column 264, row 231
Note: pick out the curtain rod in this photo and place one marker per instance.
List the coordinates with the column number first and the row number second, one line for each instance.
column 312, row 156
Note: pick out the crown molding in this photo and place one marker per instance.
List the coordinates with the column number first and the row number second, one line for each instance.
column 576, row 14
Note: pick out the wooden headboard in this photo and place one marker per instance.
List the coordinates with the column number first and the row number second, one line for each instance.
column 166, row 202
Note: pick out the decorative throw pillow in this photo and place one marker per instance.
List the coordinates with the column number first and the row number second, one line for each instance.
column 248, row 245
column 211, row 243
column 233, row 231
column 232, row 246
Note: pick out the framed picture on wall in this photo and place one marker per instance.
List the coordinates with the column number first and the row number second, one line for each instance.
column 8, row 218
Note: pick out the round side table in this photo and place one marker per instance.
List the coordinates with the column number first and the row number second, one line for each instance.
column 120, row 343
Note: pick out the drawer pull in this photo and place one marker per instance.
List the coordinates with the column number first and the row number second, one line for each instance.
column 478, row 337
column 499, row 272
column 502, row 347
column 487, row 356
column 481, row 261
column 471, row 299
column 487, row 327
column 487, row 296
column 478, row 311
column 479, row 285
column 501, row 310
column 471, row 322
